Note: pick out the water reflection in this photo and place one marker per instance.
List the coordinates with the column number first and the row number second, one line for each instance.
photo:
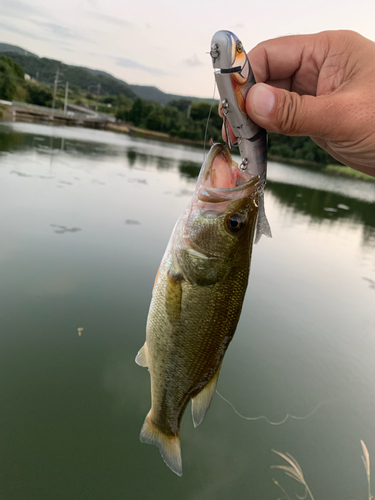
column 89, row 214
column 324, row 205
column 190, row 170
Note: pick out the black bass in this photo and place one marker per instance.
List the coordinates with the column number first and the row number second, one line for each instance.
column 197, row 299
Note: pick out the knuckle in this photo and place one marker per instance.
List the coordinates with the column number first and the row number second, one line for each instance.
column 288, row 118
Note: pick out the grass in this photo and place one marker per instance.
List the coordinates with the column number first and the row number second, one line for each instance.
column 293, row 470
column 347, row 172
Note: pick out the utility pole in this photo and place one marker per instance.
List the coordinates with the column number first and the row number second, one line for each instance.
column 55, row 88
column 66, row 97
column 98, row 89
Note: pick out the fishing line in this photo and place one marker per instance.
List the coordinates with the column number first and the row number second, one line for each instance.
column 288, row 415
column 208, row 119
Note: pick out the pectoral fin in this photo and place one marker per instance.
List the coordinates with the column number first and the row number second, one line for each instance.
column 201, row 402
column 141, row 358
column 263, row 226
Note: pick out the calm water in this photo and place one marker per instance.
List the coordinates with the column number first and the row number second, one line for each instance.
column 86, row 216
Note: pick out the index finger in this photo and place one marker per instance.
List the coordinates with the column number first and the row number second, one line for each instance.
column 291, row 62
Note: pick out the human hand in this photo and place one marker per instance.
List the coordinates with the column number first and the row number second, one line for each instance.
column 321, row 85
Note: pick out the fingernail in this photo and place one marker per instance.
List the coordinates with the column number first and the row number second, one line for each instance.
column 262, row 100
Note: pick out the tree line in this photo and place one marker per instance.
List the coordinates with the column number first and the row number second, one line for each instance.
column 188, row 120
column 179, row 118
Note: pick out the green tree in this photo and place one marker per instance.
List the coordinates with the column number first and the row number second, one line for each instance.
column 136, row 112
column 180, row 104
column 155, row 119
column 200, row 110
column 122, row 104
column 16, row 68
column 10, row 75
column 39, row 94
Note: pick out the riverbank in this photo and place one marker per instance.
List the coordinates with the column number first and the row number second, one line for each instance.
column 330, row 169
column 129, row 129
column 344, row 171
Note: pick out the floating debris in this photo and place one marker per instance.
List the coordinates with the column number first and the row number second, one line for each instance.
column 330, row 209
column 132, row 222
column 20, row 174
column 80, row 330
column 140, row 181
column 343, row 207
column 64, row 229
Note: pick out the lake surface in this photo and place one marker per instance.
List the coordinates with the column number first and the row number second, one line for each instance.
column 86, row 216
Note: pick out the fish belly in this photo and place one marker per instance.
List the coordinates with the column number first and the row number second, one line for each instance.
column 186, row 346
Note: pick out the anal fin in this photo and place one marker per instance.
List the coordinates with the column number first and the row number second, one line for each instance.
column 201, row 402
column 141, row 358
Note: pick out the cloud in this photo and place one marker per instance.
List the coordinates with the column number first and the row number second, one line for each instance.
column 28, row 15
column 17, row 9
column 60, row 31
column 193, row 61
column 128, row 63
column 28, row 34
column 109, row 19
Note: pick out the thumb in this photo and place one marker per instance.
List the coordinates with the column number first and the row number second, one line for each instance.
column 284, row 112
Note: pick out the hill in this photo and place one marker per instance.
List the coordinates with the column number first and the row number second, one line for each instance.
column 44, row 70
column 7, row 47
column 154, row 94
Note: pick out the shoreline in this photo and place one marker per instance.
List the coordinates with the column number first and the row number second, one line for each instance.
column 333, row 170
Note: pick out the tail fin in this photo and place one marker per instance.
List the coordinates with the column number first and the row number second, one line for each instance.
column 169, row 446
column 263, row 226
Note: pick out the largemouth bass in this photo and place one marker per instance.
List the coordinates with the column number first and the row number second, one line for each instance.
column 197, row 299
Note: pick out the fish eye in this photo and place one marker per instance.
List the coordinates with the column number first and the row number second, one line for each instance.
column 239, row 47
column 234, row 223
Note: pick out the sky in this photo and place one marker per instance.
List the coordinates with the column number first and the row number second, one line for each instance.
column 165, row 43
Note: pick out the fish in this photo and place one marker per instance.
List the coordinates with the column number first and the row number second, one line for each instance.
column 197, row 299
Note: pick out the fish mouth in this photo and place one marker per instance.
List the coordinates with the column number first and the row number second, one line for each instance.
column 221, row 179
